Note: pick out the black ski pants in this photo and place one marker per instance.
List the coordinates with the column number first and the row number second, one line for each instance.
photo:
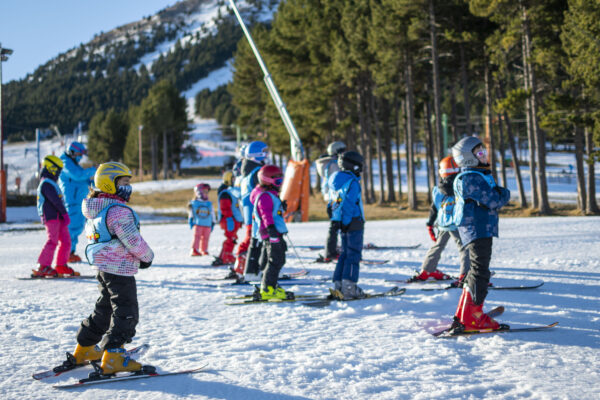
column 331, row 250
column 115, row 315
column 253, row 266
column 275, row 253
column 478, row 278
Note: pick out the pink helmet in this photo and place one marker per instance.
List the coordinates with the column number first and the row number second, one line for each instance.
column 201, row 190
column 270, row 175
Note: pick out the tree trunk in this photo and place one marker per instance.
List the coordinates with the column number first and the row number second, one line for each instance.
column 154, row 154
column 465, row 84
column 437, row 91
column 592, row 205
column 453, row 116
column 165, row 160
column 429, row 150
column 538, row 134
column 410, row 133
column 398, row 105
column 515, row 157
column 363, row 144
column 378, row 143
column 579, row 152
column 387, row 138
column 501, row 150
column 530, row 135
column 490, row 127
column 374, row 123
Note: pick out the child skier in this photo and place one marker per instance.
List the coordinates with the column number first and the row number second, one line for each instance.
column 74, row 181
column 440, row 216
column 326, row 166
column 347, row 211
column 54, row 216
column 254, row 158
column 116, row 249
column 270, row 227
column 230, row 218
column 201, row 219
column 478, row 199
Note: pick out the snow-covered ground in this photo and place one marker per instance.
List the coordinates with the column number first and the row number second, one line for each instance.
column 371, row 349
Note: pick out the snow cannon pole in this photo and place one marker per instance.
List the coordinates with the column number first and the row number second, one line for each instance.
column 295, row 142
column 296, row 184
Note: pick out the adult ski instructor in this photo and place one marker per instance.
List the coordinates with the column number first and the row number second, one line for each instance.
column 74, row 181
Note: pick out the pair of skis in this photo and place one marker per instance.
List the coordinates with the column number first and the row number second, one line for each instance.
column 97, row 377
column 314, row 300
column 491, row 287
column 56, row 278
column 322, row 260
column 451, row 332
column 366, row 246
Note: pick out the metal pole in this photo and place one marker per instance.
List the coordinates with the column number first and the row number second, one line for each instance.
column 296, row 144
column 141, row 171
column 37, row 146
column 2, row 171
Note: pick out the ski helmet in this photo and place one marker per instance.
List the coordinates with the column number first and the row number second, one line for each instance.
column 270, row 175
column 201, row 190
column 256, row 151
column 52, row 164
column 336, row 148
column 463, row 151
column 448, row 167
column 228, row 178
column 76, row 149
column 107, row 174
column 351, row 161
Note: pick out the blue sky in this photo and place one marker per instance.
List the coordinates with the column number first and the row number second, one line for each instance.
column 38, row 30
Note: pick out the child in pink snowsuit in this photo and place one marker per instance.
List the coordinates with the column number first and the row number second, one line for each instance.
column 201, row 219
column 53, row 213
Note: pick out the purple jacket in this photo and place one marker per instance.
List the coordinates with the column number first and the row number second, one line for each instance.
column 53, row 207
column 265, row 209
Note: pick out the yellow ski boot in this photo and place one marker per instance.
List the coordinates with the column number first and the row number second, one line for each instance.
column 275, row 294
column 113, row 361
column 86, row 353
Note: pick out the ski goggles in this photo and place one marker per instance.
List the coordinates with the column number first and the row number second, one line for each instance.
column 278, row 181
column 481, row 153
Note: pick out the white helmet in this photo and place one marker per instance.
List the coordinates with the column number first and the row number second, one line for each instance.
column 336, row 148
column 462, row 152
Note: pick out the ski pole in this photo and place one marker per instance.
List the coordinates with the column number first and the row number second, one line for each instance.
column 295, row 251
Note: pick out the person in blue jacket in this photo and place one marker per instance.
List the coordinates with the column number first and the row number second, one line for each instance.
column 478, row 199
column 75, row 181
column 347, row 212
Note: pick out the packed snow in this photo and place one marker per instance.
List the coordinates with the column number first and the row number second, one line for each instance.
column 372, row 349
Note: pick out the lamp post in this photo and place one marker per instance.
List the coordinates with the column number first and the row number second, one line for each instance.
column 141, row 171
column 4, row 53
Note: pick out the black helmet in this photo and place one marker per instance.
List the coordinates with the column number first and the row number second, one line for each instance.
column 351, row 161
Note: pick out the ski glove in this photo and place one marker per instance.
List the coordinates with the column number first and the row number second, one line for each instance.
column 144, row 264
column 431, row 233
column 230, row 224
column 191, row 222
column 329, row 210
column 274, row 236
column 336, row 225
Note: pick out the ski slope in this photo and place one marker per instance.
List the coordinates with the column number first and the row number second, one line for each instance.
column 371, row 349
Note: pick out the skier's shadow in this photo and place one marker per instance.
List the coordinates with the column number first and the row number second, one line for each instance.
column 199, row 385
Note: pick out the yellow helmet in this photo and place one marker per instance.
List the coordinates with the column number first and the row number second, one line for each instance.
column 228, row 178
column 53, row 164
column 107, row 174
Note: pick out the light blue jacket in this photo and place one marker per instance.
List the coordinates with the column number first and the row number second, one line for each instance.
column 74, row 182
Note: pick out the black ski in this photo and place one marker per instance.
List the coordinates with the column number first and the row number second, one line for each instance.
column 284, row 277
column 493, row 313
column 277, row 301
column 321, row 260
column 69, row 364
column 446, row 335
column 335, row 295
column 56, row 278
column 366, row 246
column 146, row 372
column 492, row 287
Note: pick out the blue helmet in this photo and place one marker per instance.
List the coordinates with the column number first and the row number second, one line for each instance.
column 256, row 151
column 76, row 148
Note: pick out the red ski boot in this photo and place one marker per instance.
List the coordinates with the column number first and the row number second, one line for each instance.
column 472, row 316
column 195, row 253
column 65, row 270
column 73, row 258
column 43, row 271
column 430, row 276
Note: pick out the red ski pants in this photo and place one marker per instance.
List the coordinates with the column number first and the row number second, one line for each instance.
column 243, row 247
column 230, row 240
